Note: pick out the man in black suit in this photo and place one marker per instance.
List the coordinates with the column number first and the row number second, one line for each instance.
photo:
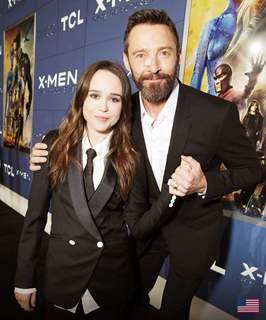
column 182, row 130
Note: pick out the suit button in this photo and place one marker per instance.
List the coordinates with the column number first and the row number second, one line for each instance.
column 72, row 242
column 99, row 244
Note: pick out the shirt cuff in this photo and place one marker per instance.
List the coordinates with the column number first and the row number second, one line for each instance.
column 25, row 291
column 203, row 194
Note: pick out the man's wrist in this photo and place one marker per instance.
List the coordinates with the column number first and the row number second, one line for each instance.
column 203, row 186
column 202, row 192
column 25, row 291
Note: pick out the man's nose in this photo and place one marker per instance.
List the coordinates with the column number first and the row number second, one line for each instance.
column 217, row 81
column 152, row 63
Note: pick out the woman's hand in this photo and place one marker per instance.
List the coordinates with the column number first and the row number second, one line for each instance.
column 38, row 156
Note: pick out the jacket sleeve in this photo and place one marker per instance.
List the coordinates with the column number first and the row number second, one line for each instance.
column 235, row 151
column 34, row 224
column 143, row 218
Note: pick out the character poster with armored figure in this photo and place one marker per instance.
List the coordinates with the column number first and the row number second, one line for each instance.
column 19, row 52
column 224, row 52
column 225, row 55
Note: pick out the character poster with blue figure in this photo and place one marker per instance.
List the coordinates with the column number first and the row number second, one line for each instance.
column 211, row 27
column 19, row 52
column 224, row 54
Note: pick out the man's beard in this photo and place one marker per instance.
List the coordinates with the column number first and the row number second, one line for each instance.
column 158, row 91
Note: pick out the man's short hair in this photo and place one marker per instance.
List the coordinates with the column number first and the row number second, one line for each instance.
column 150, row 16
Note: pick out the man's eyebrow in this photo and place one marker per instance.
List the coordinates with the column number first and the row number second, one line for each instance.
column 166, row 47
column 160, row 48
column 139, row 50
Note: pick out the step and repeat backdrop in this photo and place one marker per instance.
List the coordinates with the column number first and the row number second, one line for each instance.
column 46, row 44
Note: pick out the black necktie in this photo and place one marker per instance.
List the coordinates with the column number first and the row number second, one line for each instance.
column 88, row 172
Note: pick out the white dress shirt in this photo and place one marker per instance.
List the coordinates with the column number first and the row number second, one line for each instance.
column 99, row 162
column 157, row 134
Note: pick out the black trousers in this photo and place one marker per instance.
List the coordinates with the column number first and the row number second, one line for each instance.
column 150, row 264
column 178, row 293
column 180, row 286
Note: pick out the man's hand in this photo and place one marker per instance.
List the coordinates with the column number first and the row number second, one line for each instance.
column 38, row 155
column 257, row 67
column 27, row 301
column 188, row 178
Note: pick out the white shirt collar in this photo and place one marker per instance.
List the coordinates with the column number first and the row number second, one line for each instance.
column 168, row 110
column 101, row 148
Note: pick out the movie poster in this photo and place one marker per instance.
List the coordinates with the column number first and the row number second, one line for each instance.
column 225, row 55
column 19, row 52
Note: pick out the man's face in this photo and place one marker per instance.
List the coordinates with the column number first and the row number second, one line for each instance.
column 221, row 81
column 152, row 58
column 22, row 71
column 15, row 46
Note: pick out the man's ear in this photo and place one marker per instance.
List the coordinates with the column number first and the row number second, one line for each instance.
column 178, row 57
column 126, row 62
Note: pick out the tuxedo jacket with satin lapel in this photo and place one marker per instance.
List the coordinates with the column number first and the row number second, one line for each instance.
column 208, row 129
column 75, row 260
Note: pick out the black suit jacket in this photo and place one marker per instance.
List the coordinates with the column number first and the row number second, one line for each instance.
column 74, row 262
column 208, row 129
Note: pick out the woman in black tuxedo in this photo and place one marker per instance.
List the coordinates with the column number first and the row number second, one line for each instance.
column 89, row 259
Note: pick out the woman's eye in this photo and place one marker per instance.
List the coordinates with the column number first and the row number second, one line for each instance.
column 115, row 100
column 94, row 95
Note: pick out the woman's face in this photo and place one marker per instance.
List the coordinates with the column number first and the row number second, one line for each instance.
column 103, row 104
column 254, row 106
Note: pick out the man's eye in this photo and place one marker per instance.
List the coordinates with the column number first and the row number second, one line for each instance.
column 165, row 53
column 140, row 56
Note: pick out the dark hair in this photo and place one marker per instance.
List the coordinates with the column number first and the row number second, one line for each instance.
column 150, row 16
column 250, row 105
column 121, row 153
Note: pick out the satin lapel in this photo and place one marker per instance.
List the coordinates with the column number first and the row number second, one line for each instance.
column 180, row 131
column 76, row 187
column 139, row 140
column 104, row 191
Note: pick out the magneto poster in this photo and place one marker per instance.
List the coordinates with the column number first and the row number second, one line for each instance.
column 19, row 47
column 225, row 56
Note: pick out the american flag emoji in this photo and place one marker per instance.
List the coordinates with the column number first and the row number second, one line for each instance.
column 248, row 306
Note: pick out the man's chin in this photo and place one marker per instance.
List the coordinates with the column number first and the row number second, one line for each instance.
column 156, row 91
column 155, row 96
column 152, row 85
